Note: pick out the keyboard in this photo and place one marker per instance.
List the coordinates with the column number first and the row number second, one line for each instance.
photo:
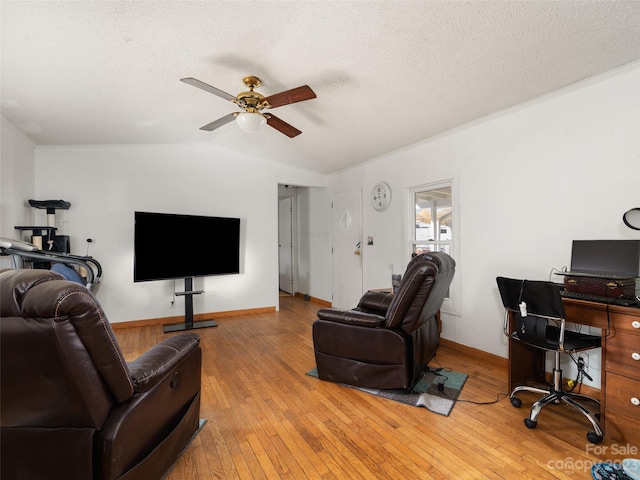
column 612, row 276
column 625, row 302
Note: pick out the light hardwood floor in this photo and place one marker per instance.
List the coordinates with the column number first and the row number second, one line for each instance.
column 266, row 419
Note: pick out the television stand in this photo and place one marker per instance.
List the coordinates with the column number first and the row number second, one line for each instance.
column 188, row 324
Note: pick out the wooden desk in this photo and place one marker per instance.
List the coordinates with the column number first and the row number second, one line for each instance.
column 620, row 369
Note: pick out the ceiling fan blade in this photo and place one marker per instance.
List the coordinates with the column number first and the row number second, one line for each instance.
column 208, row 88
column 282, row 126
column 290, row 96
column 220, row 122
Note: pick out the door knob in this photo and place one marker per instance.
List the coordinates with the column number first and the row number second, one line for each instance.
column 357, row 252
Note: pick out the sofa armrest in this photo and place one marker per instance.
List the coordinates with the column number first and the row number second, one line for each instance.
column 351, row 317
column 375, row 302
column 153, row 365
column 143, row 433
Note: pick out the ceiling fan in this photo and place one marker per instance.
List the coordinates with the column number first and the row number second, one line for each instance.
column 252, row 104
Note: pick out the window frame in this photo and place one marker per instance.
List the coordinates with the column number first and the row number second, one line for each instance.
column 450, row 305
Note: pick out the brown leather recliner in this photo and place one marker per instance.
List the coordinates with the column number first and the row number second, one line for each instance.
column 70, row 406
column 387, row 341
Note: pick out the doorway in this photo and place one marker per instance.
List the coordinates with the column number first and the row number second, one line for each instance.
column 285, row 245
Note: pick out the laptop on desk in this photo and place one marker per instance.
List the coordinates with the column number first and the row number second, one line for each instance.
column 616, row 259
column 605, row 268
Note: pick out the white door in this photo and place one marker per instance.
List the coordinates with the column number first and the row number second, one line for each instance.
column 347, row 249
column 285, row 244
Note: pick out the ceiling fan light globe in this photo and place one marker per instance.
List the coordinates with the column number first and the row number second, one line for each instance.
column 250, row 122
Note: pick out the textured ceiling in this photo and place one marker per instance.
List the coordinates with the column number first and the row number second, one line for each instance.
column 387, row 74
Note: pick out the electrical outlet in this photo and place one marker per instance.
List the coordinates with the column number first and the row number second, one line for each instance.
column 585, row 360
column 594, row 360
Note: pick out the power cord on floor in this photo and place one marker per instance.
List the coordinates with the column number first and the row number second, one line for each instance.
column 491, row 402
column 437, row 371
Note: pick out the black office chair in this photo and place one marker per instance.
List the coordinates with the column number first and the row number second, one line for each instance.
column 539, row 321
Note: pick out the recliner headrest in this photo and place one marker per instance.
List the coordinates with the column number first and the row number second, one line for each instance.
column 14, row 284
column 442, row 260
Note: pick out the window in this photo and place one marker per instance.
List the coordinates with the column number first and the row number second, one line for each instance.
column 433, row 232
column 433, row 226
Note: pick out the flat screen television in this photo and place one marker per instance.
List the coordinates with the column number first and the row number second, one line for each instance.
column 171, row 246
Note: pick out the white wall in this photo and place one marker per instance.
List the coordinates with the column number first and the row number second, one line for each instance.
column 106, row 184
column 17, row 184
column 530, row 181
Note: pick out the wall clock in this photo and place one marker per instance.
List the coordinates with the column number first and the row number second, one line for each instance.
column 381, row 196
column 632, row 218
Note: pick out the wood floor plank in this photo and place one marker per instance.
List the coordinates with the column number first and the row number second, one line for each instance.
column 266, row 419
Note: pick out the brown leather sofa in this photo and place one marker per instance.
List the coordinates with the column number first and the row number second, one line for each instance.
column 71, row 407
column 387, row 341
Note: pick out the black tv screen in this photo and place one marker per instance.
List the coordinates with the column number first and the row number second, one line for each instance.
column 170, row 246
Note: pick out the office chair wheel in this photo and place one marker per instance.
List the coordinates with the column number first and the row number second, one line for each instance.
column 516, row 402
column 530, row 423
column 594, row 438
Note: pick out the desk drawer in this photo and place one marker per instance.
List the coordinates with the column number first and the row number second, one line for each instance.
column 622, row 396
column 626, row 323
column 621, row 429
column 623, row 354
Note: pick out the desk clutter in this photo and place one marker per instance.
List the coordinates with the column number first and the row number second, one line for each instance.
column 609, row 288
column 606, row 271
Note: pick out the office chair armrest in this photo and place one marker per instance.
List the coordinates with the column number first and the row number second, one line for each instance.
column 351, row 317
column 561, row 337
column 505, row 326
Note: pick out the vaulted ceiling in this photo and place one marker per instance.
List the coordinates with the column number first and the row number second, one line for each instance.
column 386, row 74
